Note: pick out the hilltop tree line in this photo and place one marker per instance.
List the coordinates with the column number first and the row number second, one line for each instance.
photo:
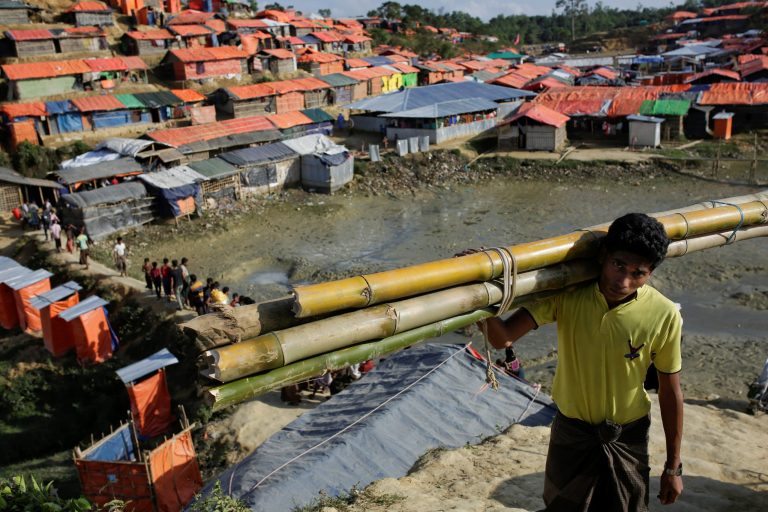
column 569, row 20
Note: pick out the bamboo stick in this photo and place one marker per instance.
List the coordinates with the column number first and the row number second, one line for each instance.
column 287, row 346
column 366, row 290
column 243, row 389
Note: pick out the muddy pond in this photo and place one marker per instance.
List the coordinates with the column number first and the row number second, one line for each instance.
column 309, row 238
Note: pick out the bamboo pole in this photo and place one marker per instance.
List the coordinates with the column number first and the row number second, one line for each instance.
column 279, row 348
column 366, row 290
column 243, row 389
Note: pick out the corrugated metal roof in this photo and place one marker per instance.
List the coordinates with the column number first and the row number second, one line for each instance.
column 261, row 154
column 338, row 80
column 228, row 141
column 177, row 137
column 208, row 54
column 318, row 115
column 447, row 108
column 119, row 167
column 12, row 273
column 377, row 61
column 665, row 107
column 106, row 195
column 98, row 103
column 28, row 279
column 130, row 101
column 60, row 292
column 412, row 98
column 10, row 176
column 150, row 35
column 288, row 120
column 6, row 263
column 49, row 69
column 213, row 168
column 151, row 364
column 178, row 176
column 76, row 311
column 34, row 34
column 188, row 95
column 157, row 99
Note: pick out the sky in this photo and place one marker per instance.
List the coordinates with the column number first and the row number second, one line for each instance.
column 483, row 9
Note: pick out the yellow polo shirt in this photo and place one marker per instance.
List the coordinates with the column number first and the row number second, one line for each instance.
column 604, row 354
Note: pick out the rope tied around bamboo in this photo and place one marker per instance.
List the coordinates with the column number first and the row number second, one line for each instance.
column 508, row 294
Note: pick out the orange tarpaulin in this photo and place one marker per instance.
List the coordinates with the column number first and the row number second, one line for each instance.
column 9, row 318
column 29, row 317
column 151, row 405
column 57, row 334
column 175, row 473
column 91, row 337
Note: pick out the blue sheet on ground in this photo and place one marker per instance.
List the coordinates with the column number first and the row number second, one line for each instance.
column 419, row 399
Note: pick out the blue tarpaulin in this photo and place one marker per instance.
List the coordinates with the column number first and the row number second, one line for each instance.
column 116, row 447
column 69, row 122
column 419, row 399
column 119, row 118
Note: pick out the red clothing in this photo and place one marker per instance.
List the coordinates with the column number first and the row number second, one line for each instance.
column 165, row 270
column 155, row 273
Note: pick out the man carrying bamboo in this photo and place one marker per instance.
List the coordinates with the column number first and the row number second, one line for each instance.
column 609, row 332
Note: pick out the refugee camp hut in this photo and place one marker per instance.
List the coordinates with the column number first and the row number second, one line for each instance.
column 245, row 100
column 164, row 478
column 150, row 42
column 319, row 64
column 755, row 70
column 177, row 190
column 442, row 111
column 714, row 76
column 147, row 388
column 26, row 122
column 162, row 105
column 302, row 27
column 265, row 169
column 14, row 12
column 325, row 166
column 9, row 270
column 56, row 335
column 331, row 42
column 81, row 40
column 357, row 44
column 204, row 141
column 278, row 61
column 672, row 111
column 246, row 26
column 15, row 189
column 194, row 36
column 90, row 13
column 34, row 80
column 107, row 210
column 317, row 93
column 110, row 111
column 107, row 73
column 322, row 121
column 290, row 124
column 92, row 335
column 723, row 125
column 533, row 127
column 222, row 179
column 644, row 131
column 410, row 74
column 31, row 42
column 360, row 88
column 206, row 63
column 92, row 175
column 342, row 87
column 24, row 288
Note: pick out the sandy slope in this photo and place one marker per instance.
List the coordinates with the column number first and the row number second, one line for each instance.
column 725, row 455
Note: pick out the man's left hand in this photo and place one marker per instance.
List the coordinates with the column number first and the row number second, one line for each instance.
column 670, row 489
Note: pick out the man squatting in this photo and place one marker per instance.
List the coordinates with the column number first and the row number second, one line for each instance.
column 609, row 332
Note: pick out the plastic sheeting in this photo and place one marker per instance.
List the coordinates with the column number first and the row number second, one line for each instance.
column 430, row 392
column 90, row 158
column 117, row 447
column 124, row 147
column 57, row 334
column 175, row 473
column 151, row 405
column 413, row 144
column 424, row 143
column 139, row 369
column 402, row 147
column 106, row 195
column 373, row 151
column 29, row 317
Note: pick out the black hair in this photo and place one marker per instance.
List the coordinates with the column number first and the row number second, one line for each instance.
column 639, row 234
column 175, row 263
column 192, row 277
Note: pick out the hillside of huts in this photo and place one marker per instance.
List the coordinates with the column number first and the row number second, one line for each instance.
column 178, row 111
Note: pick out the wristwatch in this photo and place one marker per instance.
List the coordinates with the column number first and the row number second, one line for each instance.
column 674, row 472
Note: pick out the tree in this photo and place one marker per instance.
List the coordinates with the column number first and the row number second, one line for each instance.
column 325, row 13
column 274, row 7
column 388, row 11
column 572, row 8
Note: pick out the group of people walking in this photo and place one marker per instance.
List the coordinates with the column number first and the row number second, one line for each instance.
column 45, row 218
column 173, row 280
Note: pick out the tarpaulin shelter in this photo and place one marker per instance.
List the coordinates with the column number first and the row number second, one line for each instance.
column 325, row 166
column 92, row 336
column 177, row 190
column 9, row 269
column 148, row 390
column 431, row 392
column 164, row 479
column 24, row 288
column 56, row 332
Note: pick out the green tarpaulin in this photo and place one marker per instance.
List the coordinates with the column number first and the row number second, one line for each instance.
column 665, row 107
column 129, row 100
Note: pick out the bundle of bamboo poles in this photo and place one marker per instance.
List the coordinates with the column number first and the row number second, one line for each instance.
column 351, row 320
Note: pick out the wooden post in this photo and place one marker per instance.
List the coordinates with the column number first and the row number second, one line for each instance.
column 753, row 165
column 716, row 167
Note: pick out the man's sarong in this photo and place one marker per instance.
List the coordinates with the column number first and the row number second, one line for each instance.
column 597, row 467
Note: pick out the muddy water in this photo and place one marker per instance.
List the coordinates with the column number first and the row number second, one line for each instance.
column 316, row 237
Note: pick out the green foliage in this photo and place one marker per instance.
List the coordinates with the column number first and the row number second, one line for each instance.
column 274, row 6
column 325, row 13
column 34, row 161
column 217, row 501
column 17, row 496
column 5, row 159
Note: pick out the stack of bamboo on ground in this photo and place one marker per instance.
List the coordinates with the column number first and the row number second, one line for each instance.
column 322, row 327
